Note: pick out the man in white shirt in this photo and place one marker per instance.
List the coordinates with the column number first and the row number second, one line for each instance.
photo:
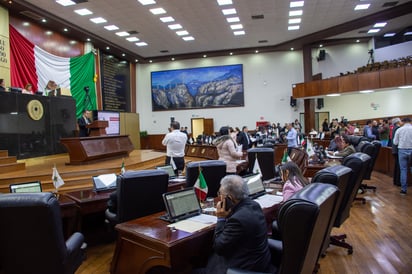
column 175, row 142
column 403, row 139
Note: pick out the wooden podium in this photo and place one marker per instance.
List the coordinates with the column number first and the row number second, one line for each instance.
column 98, row 128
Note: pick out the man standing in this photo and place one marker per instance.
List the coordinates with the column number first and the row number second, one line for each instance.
column 241, row 233
column 291, row 137
column 403, row 139
column 396, row 123
column 244, row 139
column 175, row 142
column 83, row 122
column 367, row 131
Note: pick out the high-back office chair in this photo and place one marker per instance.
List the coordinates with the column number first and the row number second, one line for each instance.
column 265, row 157
column 303, row 222
column 138, row 194
column 339, row 176
column 372, row 149
column 31, row 236
column 213, row 171
column 300, row 158
column 358, row 162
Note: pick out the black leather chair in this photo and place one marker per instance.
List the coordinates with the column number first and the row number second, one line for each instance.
column 372, row 149
column 213, row 171
column 265, row 156
column 300, row 158
column 31, row 236
column 303, row 222
column 355, row 140
column 138, row 194
column 358, row 162
column 339, row 176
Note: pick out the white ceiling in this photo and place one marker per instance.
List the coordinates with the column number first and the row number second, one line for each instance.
column 204, row 21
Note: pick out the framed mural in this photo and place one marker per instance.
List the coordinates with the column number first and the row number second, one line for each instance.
column 206, row 87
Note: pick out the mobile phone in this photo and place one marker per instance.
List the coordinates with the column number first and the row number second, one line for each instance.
column 228, row 203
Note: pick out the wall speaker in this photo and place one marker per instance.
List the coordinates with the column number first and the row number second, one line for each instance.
column 320, row 104
column 292, row 101
column 322, row 54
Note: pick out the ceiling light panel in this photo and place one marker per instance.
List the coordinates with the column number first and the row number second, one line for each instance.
column 157, row 11
column 232, row 19
column 147, row 2
column 122, row 33
column 175, row 26
column 239, row 32
column 237, row 26
column 224, row 2
column 229, row 11
column 380, row 25
column 83, row 12
column 98, row 20
column 295, row 13
column 111, row 27
column 132, row 39
column 373, row 30
column 66, row 2
column 141, row 44
column 167, row 19
column 188, row 38
column 295, row 21
column 182, row 32
column 362, row 7
column 297, row 4
column 294, row 27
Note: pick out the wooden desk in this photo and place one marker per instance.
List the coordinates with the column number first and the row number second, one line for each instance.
column 89, row 201
column 88, row 149
column 69, row 213
column 147, row 242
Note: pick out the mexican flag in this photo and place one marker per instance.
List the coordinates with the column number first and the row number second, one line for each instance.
column 31, row 64
column 285, row 157
column 201, row 186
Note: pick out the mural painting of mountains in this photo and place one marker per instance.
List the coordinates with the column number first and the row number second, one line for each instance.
column 206, row 87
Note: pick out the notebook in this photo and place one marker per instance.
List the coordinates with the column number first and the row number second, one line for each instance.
column 180, row 205
column 104, row 182
column 26, row 187
column 255, row 185
column 169, row 170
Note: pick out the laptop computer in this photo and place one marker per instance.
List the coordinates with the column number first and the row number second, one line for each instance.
column 255, row 185
column 169, row 169
column 104, row 182
column 34, row 186
column 180, row 205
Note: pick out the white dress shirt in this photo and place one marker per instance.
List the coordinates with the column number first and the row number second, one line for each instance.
column 175, row 143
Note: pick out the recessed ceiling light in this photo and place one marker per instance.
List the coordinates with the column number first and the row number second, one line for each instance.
column 132, row 39
column 182, row 32
column 239, row 32
column 88, row 39
column 44, row 20
column 65, row 30
column 405, row 87
column 237, row 26
column 380, row 25
column 362, row 7
column 157, row 11
column 389, row 34
column 204, row 55
column 167, row 19
column 230, row 53
column 188, row 38
column 172, row 59
column 150, row 61
column 146, row 2
column 321, row 46
column 333, row 94
column 141, row 44
column 232, row 19
column 294, row 27
column 175, row 26
column 366, row 91
column 295, row 4
column 123, row 54
column 122, row 33
column 72, row 42
column 26, row 24
column 408, row 33
column 98, row 20
column 229, row 11
column 373, row 30
column 292, row 49
column 83, row 12
column 256, row 51
column 295, row 12
column 111, row 27
column 357, row 41
column 295, row 21
column 224, row 2
column 136, row 60
column 107, row 47
column 48, row 32
column 66, row 2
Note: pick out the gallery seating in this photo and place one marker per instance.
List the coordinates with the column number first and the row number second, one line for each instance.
column 213, row 171
column 138, row 194
column 303, row 222
column 265, row 156
column 339, row 176
column 31, row 236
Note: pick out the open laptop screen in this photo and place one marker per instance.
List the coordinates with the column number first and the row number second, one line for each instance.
column 168, row 169
column 26, row 187
column 105, row 182
column 181, row 204
column 254, row 185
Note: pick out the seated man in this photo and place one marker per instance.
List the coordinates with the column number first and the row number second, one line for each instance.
column 241, row 233
column 346, row 150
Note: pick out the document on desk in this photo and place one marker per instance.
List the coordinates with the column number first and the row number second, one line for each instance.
column 195, row 223
column 268, row 200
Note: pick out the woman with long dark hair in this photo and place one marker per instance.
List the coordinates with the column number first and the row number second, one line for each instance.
column 293, row 179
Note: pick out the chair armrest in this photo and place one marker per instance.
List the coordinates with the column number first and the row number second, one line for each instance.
column 75, row 242
column 111, row 217
column 276, row 250
column 275, row 231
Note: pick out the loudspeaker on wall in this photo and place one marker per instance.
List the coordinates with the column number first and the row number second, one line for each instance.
column 322, row 54
column 320, row 103
column 292, row 101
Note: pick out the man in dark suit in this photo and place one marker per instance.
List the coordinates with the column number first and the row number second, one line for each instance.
column 241, row 233
column 83, row 122
column 244, row 139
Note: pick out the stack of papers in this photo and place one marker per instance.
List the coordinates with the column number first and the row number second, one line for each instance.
column 268, row 200
column 195, row 223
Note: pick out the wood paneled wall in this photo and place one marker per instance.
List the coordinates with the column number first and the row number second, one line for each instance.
column 394, row 77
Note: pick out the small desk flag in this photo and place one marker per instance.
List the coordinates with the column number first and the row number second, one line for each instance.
column 256, row 167
column 57, row 180
column 285, row 157
column 122, row 168
column 309, row 148
column 201, row 186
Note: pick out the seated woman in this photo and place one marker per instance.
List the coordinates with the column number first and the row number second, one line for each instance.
column 28, row 89
column 226, row 148
column 293, row 179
